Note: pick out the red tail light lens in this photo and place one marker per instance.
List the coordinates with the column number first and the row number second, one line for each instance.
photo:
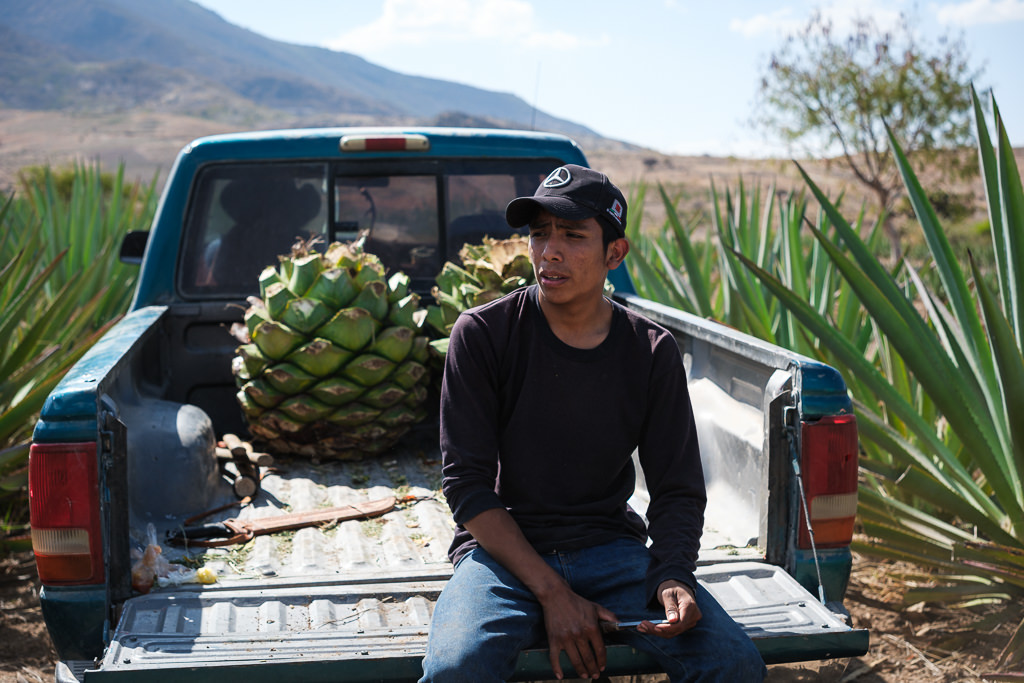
column 64, row 503
column 828, row 462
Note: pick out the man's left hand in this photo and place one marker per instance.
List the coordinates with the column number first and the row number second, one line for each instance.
column 681, row 610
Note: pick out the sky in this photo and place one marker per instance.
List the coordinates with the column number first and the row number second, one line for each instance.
column 677, row 76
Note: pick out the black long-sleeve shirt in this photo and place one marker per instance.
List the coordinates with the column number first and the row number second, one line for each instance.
column 547, row 431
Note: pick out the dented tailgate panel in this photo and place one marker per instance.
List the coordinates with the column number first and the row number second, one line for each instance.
column 372, row 628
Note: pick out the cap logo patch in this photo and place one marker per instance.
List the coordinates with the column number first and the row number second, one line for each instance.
column 557, row 178
column 616, row 210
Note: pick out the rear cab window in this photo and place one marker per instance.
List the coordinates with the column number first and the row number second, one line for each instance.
column 413, row 214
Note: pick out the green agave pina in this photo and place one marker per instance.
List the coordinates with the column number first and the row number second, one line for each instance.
column 488, row 271
column 333, row 364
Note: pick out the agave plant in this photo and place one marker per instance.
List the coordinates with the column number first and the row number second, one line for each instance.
column 85, row 212
column 959, row 451
column 40, row 338
column 706, row 278
column 61, row 287
column 669, row 267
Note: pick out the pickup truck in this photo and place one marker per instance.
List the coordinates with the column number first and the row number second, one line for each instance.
column 128, row 439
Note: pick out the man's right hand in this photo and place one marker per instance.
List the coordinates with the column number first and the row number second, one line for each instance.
column 572, row 623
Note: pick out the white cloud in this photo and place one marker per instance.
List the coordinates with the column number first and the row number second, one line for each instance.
column 780, row 21
column 975, row 12
column 429, row 22
column 843, row 15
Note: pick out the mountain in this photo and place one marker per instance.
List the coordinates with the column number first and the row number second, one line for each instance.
column 176, row 56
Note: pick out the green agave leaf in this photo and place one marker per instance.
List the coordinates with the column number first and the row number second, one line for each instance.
column 719, row 226
column 439, row 347
column 50, row 355
column 950, row 274
column 697, row 277
column 793, row 265
column 305, row 271
column 656, row 286
column 757, row 323
column 909, row 520
column 15, row 312
column 35, row 336
column 435, row 320
column 12, row 457
column 942, row 381
column 681, row 286
column 751, row 296
column 758, row 230
column 636, row 204
column 872, row 271
column 920, row 476
column 1008, row 578
column 1007, row 558
column 305, row 315
column 739, row 230
column 1011, row 208
column 1010, row 364
column 16, row 416
column 1013, row 653
column 982, row 380
column 955, row 593
column 896, row 544
column 91, row 221
column 15, row 481
column 989, row 167
column 852, row 358
column 452, row 276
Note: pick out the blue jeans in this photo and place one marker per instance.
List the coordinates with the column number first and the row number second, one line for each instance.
column 485, row 616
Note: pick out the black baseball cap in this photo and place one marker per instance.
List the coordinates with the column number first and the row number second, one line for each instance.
column 572, row 192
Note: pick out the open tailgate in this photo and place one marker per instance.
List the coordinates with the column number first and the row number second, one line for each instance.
column 372, row 628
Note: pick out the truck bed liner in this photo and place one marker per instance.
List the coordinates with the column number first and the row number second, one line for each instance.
column 382, row 622
column 363, row 591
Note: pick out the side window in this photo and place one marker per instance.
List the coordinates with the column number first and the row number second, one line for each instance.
column 398, row 215
column 242, row 217
column 477, row 201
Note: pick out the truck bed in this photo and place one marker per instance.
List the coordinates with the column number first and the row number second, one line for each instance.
column 359, row 594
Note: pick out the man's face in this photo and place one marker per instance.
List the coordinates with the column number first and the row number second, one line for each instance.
column 569, row 258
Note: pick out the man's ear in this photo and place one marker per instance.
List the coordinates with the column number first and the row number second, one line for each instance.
column 616, row 252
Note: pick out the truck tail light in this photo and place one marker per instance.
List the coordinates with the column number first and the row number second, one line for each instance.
column 64, row 504
column 828, row 463
column 385, row 143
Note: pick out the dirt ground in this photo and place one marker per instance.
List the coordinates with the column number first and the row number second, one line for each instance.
column 915, row 645
column 26, row 653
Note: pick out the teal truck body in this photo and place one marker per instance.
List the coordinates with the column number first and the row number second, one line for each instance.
column 127, row 439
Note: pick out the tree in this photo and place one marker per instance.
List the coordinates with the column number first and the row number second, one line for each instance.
column 837, row 93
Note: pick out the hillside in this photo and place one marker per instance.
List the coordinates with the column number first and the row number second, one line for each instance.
column 133, row 81
column 176, row 57
column 147, row 143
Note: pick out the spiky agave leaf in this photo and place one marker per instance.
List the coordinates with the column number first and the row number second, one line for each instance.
column 489, row 271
